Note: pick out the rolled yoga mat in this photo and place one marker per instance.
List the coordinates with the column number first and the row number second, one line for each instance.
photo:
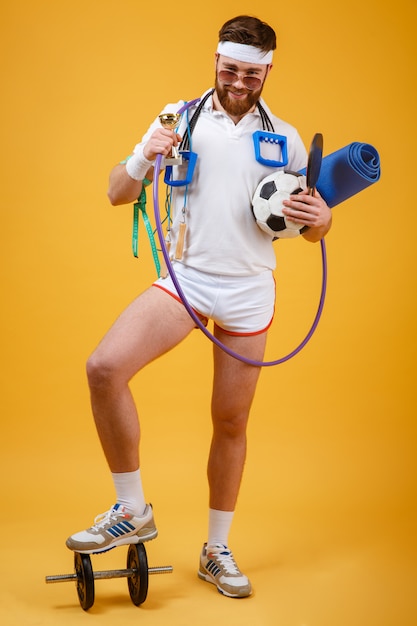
column 347, row 172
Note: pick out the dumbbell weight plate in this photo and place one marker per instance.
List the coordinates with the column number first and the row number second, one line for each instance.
column 138, row 582
column 85, row 580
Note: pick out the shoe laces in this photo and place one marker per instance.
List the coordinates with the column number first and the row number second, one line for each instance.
column 105, row 518
column 225, row 558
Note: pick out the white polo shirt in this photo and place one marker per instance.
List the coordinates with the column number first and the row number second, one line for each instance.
column 222, row 236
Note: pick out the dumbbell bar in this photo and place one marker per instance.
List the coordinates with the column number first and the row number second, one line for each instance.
column 137, row 572
column 110, row 573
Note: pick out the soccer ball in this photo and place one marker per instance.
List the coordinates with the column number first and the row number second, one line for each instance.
column 267, row 204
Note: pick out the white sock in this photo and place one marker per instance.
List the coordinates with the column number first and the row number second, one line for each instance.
column 129, row 491
column 219, row 526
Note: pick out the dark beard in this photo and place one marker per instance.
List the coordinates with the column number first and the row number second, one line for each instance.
column 236, row 107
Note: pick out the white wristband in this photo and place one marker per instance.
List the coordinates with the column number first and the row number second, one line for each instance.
column 137, row 166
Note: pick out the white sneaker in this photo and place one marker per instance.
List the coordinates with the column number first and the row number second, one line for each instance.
column 217, row 566
column 114, row 528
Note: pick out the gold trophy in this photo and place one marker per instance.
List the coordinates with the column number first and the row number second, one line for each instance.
column 170, row 121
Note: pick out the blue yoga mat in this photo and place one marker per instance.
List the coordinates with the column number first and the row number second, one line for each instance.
column 347, row 172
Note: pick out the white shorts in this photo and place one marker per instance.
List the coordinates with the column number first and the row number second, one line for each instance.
column 239, row 305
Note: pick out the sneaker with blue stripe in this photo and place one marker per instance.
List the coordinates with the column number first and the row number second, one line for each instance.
column 217, row 566
column 116, row 527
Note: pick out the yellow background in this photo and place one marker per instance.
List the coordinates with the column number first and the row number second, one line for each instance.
column 326, row 520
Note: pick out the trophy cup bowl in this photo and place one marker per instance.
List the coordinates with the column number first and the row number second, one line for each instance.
column 170, row 121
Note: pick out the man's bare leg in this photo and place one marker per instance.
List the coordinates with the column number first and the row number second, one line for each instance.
column 153, row 324
column 233, row 391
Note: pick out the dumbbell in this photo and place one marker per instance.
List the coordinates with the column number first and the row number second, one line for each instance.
column 137, row 573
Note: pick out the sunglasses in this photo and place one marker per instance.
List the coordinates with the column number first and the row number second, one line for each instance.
column 229, row 78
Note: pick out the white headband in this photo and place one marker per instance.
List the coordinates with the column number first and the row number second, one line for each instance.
column 243, row 52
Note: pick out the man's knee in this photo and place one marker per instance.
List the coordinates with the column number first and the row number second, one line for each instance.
column 100, row 371
column 231, row 424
